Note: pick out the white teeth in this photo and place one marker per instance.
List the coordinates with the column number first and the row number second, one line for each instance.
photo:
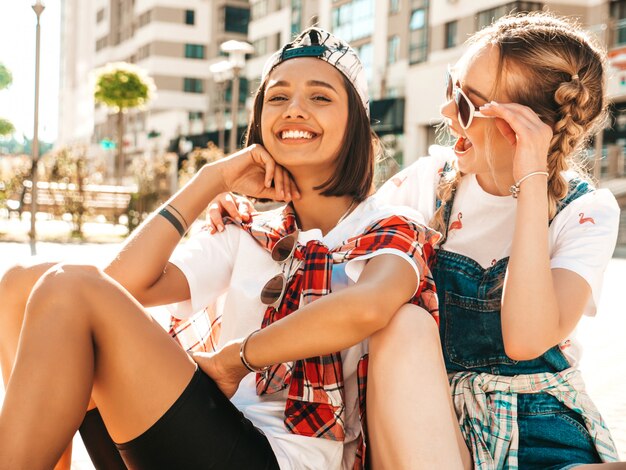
column 293, row 134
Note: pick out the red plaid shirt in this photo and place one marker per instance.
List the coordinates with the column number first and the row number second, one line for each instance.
column 315, row 404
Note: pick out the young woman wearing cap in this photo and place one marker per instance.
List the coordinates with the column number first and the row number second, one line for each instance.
column 85, row 331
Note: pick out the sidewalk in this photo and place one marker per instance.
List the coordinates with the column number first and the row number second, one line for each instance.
column 603, row 337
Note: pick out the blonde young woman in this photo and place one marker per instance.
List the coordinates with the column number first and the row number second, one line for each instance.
column 284, row 386
column 526, row 241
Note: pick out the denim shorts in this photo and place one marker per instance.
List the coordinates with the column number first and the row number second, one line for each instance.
column 551, row 436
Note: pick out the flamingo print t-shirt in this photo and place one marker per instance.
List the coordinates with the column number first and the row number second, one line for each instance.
column 581, row 237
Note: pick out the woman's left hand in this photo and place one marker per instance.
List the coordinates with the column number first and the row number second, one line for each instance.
column 223, row 366
column 523, row 128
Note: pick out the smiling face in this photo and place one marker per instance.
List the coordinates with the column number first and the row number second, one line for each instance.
column 481, row 148
column 305, row 115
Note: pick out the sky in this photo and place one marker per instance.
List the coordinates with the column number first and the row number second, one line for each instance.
column 17, row 52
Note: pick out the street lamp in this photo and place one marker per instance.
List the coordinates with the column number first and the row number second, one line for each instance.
column 221, row 71
column 38, row 8
column 236, row 51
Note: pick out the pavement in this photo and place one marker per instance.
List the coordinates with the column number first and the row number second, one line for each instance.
column 603, row 337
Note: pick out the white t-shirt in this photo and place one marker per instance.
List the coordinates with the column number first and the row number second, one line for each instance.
column 581, row 237
column 232, row 266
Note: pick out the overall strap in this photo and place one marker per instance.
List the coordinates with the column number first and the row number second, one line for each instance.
column 577, row 187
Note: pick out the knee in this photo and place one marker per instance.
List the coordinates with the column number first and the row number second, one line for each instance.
column 18, row 280
column 411, row 327
column 63, row 285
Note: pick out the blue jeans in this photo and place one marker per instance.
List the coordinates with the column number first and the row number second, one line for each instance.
column 551, row 436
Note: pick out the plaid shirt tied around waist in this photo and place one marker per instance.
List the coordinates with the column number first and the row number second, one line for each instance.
column 315, row 398
column 486, row 406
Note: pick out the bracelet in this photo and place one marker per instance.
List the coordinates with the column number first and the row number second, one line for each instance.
column 516, row 187
column 242, row 355
column 173, row 220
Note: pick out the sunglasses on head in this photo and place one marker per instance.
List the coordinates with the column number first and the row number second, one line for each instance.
column 466, row 110
column 283, row 252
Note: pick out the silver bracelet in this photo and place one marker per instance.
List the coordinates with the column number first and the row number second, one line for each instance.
column 515, row 188
column 242, row 355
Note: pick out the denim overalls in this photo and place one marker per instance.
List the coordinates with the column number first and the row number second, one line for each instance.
column 551, row 435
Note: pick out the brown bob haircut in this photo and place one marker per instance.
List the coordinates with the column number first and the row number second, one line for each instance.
column 354, row 173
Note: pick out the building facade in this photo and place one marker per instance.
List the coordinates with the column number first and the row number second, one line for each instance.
column 174, row 41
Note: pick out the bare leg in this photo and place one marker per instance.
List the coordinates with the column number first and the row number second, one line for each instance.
column 83, row 332
column 411, row 420
column 15, row 287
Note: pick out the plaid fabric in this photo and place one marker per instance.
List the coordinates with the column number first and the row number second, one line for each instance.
column 486, row 406
column 315, row 404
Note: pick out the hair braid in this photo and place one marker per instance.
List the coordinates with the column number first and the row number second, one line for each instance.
column 445, row 189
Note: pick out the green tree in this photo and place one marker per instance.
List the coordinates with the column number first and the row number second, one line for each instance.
column 122, row 86
column 6, row 128
column 6, row 79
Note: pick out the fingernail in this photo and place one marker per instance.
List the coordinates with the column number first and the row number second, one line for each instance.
column 212, row 230
column 220, row 228
column 238, row 219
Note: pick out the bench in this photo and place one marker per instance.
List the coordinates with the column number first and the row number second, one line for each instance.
column 59, row 198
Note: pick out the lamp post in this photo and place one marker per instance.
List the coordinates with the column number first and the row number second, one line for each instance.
column 38, row 8
column 236, row 51
column 221, row 71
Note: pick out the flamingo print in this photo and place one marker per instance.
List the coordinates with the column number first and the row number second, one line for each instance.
column 457, row 224
column 398, row 181
column 584, row 219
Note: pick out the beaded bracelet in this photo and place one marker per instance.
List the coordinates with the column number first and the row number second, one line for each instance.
column 516, row 187
column 242, row 355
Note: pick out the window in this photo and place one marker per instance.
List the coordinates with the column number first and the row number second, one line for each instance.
column 102, row 43
column 296, row 16
column 195, row 115
column 100, row 15
column 236, row 19
column 194, row 51
column 393, row 49
column 618, row 14
column 260, row 47
column 451, row 34
column 144, row 18
column 418, row 34
column 190, row 17
column 486, row 17
column 366, row 54
column 394, row 6
column 243, row 91
column 192, row 85
column 354, row 20
column 258, row 9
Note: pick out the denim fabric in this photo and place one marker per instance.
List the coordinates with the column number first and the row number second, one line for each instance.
column 551, row 435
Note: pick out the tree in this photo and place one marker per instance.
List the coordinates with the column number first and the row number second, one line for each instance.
column 6, row 79
column 6, row 128
column 122, row 86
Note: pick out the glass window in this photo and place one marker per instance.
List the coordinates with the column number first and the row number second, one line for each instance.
column 418, row 34
column 194, row 51
column 393, row 49
column 195, row 115
column 236, row 19
column 243, row 90
column 354, row 20
column 394, row 6
column 100, row 15
column 451, row 34
column 486, row 17
column 192, row 85
column 190, row 17
column 366, row 54
column 258, row 9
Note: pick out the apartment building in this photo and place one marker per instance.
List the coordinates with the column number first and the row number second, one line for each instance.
column 438, row 30
column 173, row 40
